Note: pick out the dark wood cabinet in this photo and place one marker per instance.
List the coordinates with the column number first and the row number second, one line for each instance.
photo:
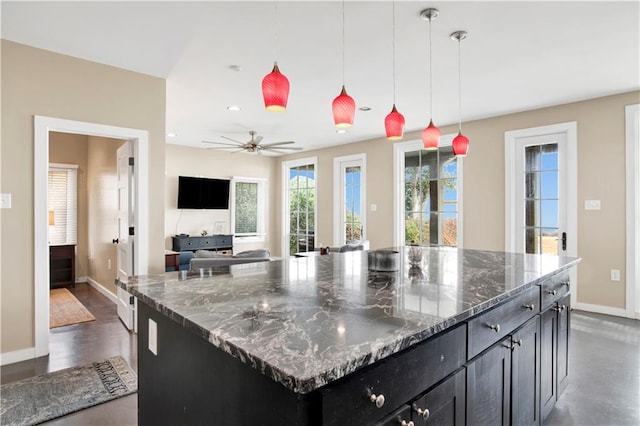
column 442, row 405
column 525, row 374
column 402, row 417
column 489, row 386
column 219, row 243
column 554, row 353
column 62, row 266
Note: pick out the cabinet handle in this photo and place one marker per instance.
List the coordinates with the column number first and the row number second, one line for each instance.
column 552, row 292
column 530, row 307
column 516, row 343
column 377, row 399
column 560, row 308
column 424, row 413
column 566, row 283
column 406, row 423
column 495, row 327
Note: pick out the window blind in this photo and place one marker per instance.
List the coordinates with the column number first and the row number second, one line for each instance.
column 63, row 204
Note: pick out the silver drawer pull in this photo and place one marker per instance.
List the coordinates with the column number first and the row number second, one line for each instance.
column 530, row 307
column 552, row 292
column 516, row 343
column 406, row 423
column 424, row 413
column 567, row 284
column 495, row 327
column 560, row 308
column 377, row 399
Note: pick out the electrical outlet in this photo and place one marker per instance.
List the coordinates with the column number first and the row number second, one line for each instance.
column 5, row 201
column 153, row 337
column 615, row 275
column 592, row 204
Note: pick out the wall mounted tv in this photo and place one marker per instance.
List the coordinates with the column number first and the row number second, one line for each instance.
column 203, row 193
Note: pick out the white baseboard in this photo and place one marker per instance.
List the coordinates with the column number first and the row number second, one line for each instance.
column 599, row 309
column 102, row 289
column 17, row 356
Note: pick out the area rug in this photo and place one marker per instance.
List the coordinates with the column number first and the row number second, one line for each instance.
column 65, row 309
column 42, row 398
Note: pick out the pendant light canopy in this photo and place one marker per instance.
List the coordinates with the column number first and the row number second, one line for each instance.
column 275, row 85
column 275, row 90
column 394, row 121
column 460, row 143
column 431, row 134
column 344, row 107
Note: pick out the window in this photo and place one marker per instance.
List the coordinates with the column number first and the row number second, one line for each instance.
column 428, row 203
column 349, row 179
column 299, row 205
column 63, row 204
column 248, row 199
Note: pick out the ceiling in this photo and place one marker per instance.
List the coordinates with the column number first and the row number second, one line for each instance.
column 518, row 56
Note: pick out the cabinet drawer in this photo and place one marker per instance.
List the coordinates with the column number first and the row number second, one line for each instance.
column 399, row 379
column 223, row 240
column 491, row 326
column 554, row 290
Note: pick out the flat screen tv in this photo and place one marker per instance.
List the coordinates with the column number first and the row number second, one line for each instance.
column 203, row 193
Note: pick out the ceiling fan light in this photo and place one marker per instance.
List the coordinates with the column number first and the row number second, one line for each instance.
column 460, row 145
column 394, row 124
column 430, row 137
column 275, row 90
column 344, row 110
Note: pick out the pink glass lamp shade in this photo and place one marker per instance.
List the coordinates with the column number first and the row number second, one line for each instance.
column 460, row 145
column 275, row 90
column 430, row 137
column 344, row 109
column 394, row 124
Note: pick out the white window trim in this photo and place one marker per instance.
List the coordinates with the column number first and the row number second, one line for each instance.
column 260, row 235
column 570, row 129
column 632, row 122
column 399, row 148
column 286, row 165
column 338, row 192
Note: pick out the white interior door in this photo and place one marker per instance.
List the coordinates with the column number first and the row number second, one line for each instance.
column 125, row 239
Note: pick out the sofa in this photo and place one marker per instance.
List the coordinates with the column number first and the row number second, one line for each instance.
column 352, row 246
column 210, row 259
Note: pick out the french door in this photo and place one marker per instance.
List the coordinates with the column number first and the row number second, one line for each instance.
column 349, row 218
column 299, row 205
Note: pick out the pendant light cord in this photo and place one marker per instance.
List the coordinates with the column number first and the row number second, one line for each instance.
column 394, row 52
column 343, row 79
column 430, row 75
column 459, row 90
column 276, row 30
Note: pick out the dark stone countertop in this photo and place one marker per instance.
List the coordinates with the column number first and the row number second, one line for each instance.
column 306, row 322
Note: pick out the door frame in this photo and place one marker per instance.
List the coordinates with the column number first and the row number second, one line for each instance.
column 338, row 193
column 286, row 165
column 42, row 125
column 632, row 124
column 570, row 129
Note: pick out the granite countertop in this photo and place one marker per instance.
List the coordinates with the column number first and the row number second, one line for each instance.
column 305, row 322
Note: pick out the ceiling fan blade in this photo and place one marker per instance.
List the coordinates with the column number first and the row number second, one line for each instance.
column 279, row 143
column 232, row 140
column 290, row 148
column 224, row 143
column 224, row 147
column 257, row 139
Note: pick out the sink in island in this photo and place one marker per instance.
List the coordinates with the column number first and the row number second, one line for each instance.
column 465, row 337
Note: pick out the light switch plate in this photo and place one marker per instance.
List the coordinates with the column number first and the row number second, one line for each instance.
column 374, row 207
column 615, row 275
column 5, row 201
column 153, row 337
column 592, row 204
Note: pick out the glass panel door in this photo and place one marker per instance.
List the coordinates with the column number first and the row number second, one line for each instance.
column 300, row 211
column 349, row 199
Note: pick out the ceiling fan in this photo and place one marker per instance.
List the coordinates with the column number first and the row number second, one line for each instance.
column 253, row 145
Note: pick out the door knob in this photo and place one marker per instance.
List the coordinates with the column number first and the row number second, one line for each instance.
column 115, row 240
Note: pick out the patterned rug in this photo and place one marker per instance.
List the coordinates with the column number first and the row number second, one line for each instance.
column 65, row 309
column 42, row 398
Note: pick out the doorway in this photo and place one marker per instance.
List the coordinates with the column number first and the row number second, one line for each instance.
column 299, row 206
column 541, row 191
column 349, row 199
column 42, row 127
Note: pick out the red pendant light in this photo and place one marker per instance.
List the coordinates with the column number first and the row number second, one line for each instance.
column 460, row 143
column 275, row 90
column 430, row 134
column 344, row 110
column 430, row 137
column 394, row 124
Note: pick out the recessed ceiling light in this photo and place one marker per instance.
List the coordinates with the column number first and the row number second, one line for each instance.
column 364, row 108
column 171, row 135
column 236, row 68
column 234, row 108
column 341, row 131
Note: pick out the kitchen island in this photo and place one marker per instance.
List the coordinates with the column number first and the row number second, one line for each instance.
column 466, row 336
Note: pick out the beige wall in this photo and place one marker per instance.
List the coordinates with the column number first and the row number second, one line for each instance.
column 102, row 183
column 186, row 161
column 601, row 176
column 72, row 149
column 38, row 82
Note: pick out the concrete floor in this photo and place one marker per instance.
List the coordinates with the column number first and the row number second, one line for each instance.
column 604, row 387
